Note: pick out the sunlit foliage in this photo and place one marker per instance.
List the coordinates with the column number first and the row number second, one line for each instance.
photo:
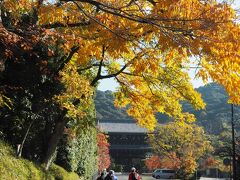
column 179, row 146
column 147, row 47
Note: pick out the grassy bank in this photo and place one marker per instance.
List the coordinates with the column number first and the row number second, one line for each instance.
column 15, row 168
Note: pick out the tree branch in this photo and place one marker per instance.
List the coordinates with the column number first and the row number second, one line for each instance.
column 59, row 25
column 95, row 80
column 98, row 22
column 74, row 49
column 108, row 76
column 88, row 67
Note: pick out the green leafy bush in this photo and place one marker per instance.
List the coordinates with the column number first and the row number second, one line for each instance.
column 79, row 154
column 78, row 149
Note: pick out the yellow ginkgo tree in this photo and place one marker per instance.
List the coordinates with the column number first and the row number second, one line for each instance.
column 147, row 46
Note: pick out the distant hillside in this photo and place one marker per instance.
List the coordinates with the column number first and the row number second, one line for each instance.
column 217, row 111
column 105, row 108
column 213, row 118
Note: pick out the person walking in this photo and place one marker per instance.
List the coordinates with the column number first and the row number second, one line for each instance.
column 133, row 175
column 102, row 175
column 111, row 176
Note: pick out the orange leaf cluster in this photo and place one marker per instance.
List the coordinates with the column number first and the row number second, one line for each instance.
column 153, row 162
column 103, row 152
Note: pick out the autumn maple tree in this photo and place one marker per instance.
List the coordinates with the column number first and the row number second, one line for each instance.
column 210, row 162
column 180, row 146
column 103, row 152
column 147, row 46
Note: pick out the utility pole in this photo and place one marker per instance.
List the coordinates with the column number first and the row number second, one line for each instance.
column 233, row 147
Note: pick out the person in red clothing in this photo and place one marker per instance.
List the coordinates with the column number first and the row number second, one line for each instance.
column 133, row 175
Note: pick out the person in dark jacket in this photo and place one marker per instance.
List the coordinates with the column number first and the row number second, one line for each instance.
column 102, row 175
column 111, row 176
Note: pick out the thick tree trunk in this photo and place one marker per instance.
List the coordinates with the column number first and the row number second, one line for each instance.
column 54, row 140
column 55, row 137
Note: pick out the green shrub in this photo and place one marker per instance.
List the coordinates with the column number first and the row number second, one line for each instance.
column 78, row 153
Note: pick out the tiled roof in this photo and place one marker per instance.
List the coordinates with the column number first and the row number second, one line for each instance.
column 121, row 127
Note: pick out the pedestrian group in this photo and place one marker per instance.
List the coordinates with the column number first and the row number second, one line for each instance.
column 133, row 175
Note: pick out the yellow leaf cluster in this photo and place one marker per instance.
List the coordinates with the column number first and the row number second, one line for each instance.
column 77, row 88
column 17, row 8
column 156, row 85
column 5, row 101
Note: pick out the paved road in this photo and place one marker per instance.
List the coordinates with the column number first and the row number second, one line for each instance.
column 125, row 177
column 148, row 177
